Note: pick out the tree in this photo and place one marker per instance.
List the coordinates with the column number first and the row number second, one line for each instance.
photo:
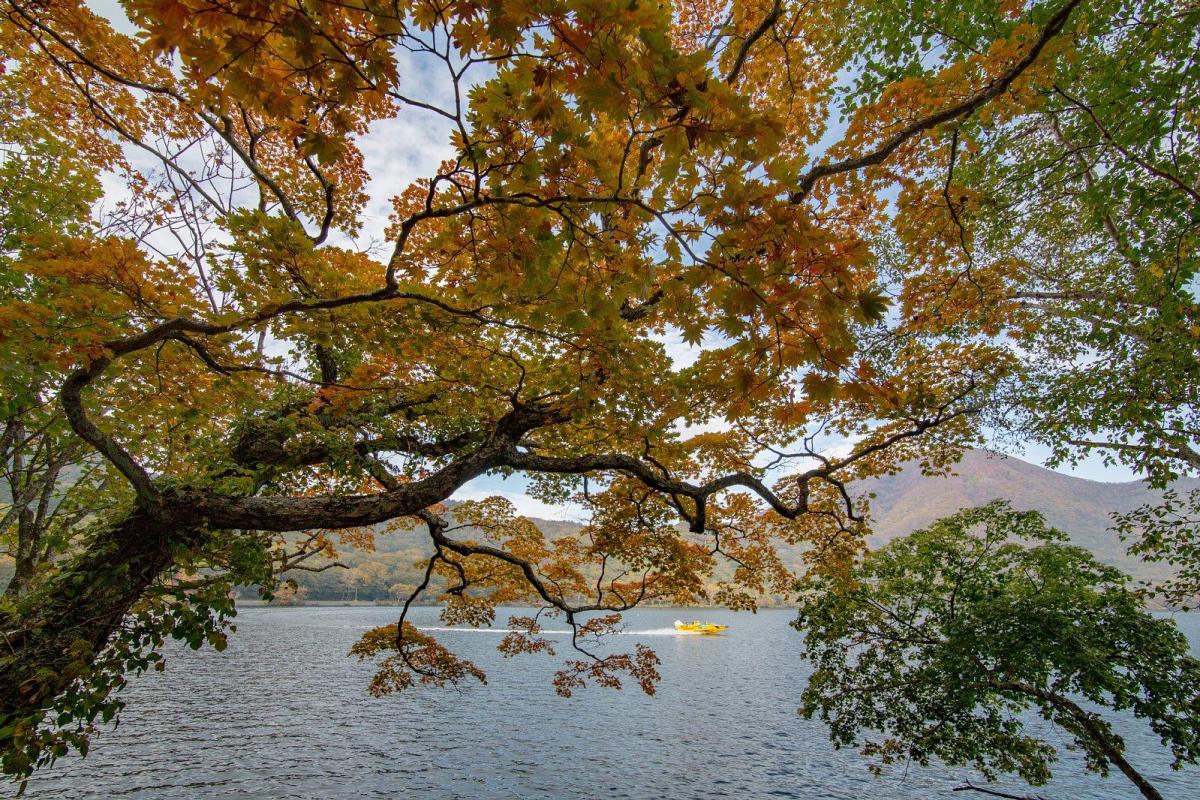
column 941, row 639
column 1099, row 284
column 619, row 172
column 289, row 594
column 53, row 481
column 1074, row 231
column 1169, row 532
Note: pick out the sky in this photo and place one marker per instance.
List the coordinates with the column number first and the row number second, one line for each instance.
column 399, row 151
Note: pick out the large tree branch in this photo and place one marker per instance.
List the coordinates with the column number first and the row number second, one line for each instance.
column 967, row 107
column 1185, row 454
column 655, row 478
column 1145, row 165
column 288, row 513
column 761, row 30
column 970, row 787
column 1089, row 181
column 1088, row 725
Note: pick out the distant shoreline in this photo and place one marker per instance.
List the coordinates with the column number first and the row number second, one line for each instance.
column 253, row 603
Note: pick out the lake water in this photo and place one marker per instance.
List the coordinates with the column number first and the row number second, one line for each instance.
column 284, row 713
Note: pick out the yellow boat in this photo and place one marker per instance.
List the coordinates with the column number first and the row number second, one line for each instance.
column 696, row 626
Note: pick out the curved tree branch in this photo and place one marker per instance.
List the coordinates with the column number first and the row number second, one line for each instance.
column 967, row 107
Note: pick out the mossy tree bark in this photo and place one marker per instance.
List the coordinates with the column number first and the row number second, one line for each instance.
column 53, row 634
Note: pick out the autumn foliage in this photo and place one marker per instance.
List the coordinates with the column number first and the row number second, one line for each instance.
column 667, row 253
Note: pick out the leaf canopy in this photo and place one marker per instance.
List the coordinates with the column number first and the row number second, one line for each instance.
column 935, row 645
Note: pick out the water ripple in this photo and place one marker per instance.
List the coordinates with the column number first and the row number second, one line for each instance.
column 283, row 713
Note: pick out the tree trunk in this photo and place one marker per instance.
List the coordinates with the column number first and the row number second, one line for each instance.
column 23, row 563
column 21, row 578
column 1111, row 751
column 25, row 557
column 57, row 629
column 1088, row 725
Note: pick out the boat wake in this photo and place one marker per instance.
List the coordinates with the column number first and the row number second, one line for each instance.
column 487, row 630
column 661, row 632
column 560, row 631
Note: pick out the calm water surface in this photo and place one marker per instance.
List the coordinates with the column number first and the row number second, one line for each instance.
column 284, row 713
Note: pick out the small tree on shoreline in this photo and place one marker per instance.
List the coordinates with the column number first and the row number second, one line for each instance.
column 940, row 640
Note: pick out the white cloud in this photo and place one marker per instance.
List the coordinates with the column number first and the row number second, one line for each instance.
column 680, row 352
column 413, row 144
column 710, row 425
column 114, row 13
column 684, row 354
column 842, row 448
column 525, row 505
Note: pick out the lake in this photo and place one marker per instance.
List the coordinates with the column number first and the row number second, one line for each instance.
column 284, row 713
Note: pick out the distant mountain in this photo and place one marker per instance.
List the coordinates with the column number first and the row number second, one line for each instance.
column 909, row 500
column 903, row 503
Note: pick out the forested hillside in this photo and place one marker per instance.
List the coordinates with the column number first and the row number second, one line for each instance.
column 902, row 503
